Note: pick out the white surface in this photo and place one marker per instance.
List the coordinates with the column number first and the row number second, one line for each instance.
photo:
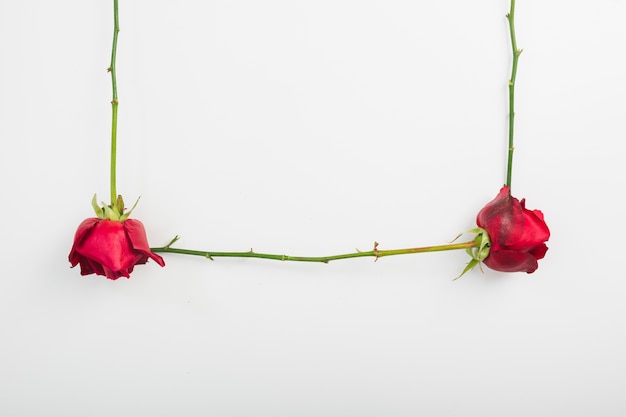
column 312, row 127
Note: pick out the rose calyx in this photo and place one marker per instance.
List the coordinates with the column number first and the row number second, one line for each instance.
column 113, row 212
column 479, row 252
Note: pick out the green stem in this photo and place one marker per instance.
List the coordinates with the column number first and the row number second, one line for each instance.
column 516, row 53
column 114, row 105
column 376, row 253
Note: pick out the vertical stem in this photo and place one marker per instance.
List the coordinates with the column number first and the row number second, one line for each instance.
column 516, row 53
column 114, row 104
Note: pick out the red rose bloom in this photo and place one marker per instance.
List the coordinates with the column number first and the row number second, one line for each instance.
column 111, row 248
column 517, row 234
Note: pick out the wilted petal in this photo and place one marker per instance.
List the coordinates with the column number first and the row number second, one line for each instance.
column 110, row 248
column 518, row 235
column 139, row 241
column 511, row 261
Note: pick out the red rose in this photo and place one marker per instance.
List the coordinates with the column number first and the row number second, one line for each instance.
column 111, row 248
column 517, row 234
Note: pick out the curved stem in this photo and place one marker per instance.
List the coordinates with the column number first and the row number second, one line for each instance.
column 376, row 253
column 114, row 105
column 516, row 53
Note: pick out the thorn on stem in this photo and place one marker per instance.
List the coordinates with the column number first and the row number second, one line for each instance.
column 376, row 251
column 458, row 236
column 172, row 242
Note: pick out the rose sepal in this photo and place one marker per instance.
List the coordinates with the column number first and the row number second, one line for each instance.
column 113, row 212
column 479, row 252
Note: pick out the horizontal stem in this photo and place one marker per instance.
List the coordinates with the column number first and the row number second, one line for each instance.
column 376, row 253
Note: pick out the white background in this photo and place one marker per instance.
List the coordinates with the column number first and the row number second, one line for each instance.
column 312, row 128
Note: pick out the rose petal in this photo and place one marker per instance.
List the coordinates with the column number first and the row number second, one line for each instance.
column 511, row 261
column 518, row 235
column 139, row 241
column 501, row 218
column 110, row 248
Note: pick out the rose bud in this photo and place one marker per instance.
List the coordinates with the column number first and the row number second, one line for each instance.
column 517, row 234
column 111, row 245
